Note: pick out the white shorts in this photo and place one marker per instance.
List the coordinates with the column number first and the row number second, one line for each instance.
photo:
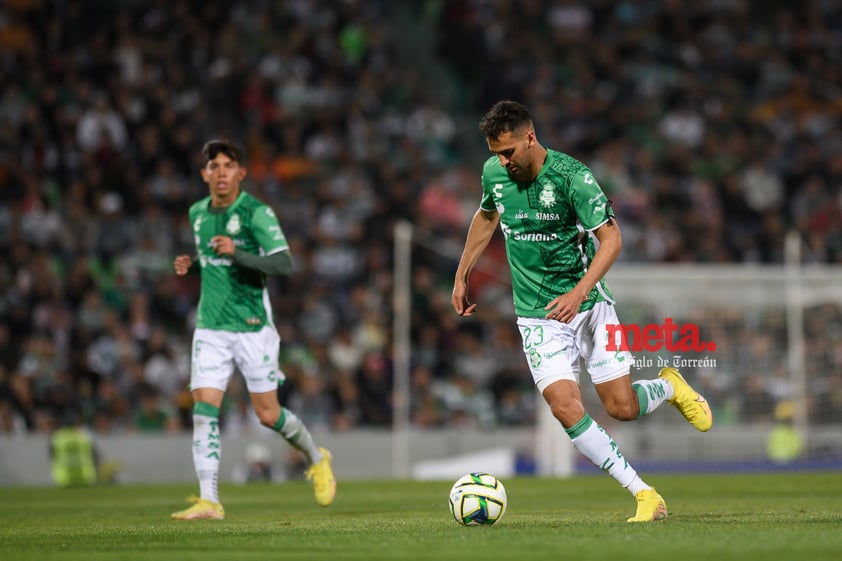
column 254, row 354
column 553, row 349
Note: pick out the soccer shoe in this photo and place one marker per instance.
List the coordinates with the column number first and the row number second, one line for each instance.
column 650, row 507
column 693, row 406
column 324, row 484
column 203, row 509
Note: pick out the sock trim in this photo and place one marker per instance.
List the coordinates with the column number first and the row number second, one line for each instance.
column 206, row 409
column 642, row 399
column 279, row 424
column 580, row 427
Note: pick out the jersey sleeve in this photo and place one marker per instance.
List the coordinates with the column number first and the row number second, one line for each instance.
column 492, row 183
column 267, row 231
column 487, row 200
column 592, row 206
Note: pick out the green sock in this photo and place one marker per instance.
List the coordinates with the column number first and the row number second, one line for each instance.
column 293, row 430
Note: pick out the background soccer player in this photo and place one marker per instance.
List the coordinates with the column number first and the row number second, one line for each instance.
column 238, row 242
column 549, row 206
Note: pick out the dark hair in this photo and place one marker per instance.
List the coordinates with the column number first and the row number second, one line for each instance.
column 504, row 116
column 213, row 148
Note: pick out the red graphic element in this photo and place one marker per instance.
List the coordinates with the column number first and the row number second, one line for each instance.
column 653, row 337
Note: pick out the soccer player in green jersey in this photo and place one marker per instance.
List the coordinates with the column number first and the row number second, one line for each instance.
column 550, row 207
column 238, row 242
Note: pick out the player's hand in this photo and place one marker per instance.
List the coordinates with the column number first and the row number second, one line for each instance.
column 459, row 300
column 182, row 264
column 223, row 245
column 565, row 307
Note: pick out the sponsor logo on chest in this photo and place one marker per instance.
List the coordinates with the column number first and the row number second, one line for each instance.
column 551, row 216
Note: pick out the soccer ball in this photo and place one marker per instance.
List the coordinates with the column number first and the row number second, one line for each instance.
column 477, row 499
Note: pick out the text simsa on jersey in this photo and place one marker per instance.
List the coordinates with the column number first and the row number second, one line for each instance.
column 547, row 225
column 234, row 298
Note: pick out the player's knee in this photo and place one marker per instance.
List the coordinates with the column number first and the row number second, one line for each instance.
column 267, row 417
column 568, row 414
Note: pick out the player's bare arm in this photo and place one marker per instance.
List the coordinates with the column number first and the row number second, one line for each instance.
column 565, row 307
column 479, row 234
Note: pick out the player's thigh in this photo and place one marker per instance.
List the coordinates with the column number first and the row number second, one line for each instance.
column 212, row 359
column 256, row 356
column 550, row 349
column 604, row 361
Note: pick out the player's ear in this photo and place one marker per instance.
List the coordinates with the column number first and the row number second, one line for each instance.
column 204, row 173
column 243, row 172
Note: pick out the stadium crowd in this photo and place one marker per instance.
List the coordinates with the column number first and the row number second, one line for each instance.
column 714, row 127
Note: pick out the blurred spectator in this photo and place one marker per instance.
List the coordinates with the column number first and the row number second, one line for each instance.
column 101, row 126
column 374, row 379
column 315, row 405
column 757, row 403
column 164, row 367
column 152, row 414
column 15, row 410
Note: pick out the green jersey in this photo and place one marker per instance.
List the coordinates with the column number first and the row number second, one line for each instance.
column 547, row 225
column 235, row 298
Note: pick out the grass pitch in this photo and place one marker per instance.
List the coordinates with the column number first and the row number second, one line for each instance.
column 718, row 517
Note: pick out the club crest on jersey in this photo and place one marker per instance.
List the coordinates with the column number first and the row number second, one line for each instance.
column 535, row 358
column 547, row 196
column 233, row 226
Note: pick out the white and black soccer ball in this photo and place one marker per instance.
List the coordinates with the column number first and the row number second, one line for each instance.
column 478, row 499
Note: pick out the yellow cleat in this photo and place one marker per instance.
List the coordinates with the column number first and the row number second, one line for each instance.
column 692, row 405
column 203, row 509
column 650, row 507
column 324, row 484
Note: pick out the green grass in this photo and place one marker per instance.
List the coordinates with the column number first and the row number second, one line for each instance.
column 718, row 517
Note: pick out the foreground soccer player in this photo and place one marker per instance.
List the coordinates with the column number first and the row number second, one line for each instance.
column 238, row 242
column 549, row 206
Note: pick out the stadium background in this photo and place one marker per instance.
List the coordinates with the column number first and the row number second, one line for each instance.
column 713, row 126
